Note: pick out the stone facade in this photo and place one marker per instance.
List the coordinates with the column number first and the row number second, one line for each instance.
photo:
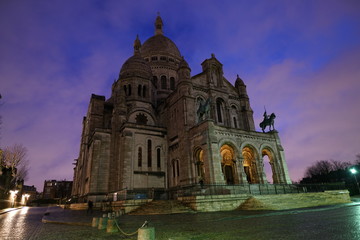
column 163, row 128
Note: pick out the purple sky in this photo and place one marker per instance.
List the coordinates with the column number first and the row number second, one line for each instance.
column 300, row 58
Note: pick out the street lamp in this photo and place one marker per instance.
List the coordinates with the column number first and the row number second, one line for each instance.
column 353, row 171
column 13, row 197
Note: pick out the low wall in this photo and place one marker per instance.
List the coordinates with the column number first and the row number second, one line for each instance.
column 265, row 202
column 127, row 205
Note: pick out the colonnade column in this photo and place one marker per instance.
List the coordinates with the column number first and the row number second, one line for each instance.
column 240, row 168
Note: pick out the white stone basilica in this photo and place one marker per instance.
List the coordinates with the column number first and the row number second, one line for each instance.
column 163, row 128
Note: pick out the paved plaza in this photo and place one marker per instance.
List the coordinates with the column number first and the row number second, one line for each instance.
column 330, row 222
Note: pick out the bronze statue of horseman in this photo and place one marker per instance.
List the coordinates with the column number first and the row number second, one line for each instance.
column 268, row 121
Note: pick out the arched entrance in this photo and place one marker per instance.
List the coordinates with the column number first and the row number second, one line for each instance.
column 228, row 163
column 249, row 165
column 269, row 166
column 199, row 165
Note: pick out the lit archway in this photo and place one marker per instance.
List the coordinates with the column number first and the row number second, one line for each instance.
column 268, row 161
column 249, row 165
column 228, row 163
column 199, row 164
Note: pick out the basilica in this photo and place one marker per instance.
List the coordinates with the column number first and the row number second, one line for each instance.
column 165, row 128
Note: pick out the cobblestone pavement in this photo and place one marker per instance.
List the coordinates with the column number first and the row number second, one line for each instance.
column 330, row 222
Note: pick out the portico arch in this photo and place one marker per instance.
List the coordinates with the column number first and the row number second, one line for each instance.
column 249, row 163
column 199, row 164
column 269, row 160
column 228, row 164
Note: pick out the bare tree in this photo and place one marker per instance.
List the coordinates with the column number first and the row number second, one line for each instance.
column 15, row 157
column 319, row 168
column 324, row 167
column 337, row 165
column 357, row 160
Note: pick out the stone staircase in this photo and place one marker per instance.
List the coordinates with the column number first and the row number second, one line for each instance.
column 156, row 207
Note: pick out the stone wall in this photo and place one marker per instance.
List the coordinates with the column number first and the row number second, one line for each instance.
column 127, row 205
column 265, row 202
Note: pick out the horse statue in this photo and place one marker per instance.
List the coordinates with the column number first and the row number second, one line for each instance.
column 268, row 121
column 204, row 109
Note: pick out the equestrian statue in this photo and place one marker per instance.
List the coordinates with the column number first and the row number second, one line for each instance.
column 204, row 109
column 268, row 121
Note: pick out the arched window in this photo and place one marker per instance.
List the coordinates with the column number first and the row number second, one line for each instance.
column 125, row 90
column 172, row 83
column 149, row 153
column 139, row 157
column 129, row 86
column 234, row 116
column 144, row 91
column 219, row 110
column 139, row 90
column 163, row 82
column 158, row 156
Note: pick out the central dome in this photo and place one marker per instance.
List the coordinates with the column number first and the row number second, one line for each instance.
column 159, row 44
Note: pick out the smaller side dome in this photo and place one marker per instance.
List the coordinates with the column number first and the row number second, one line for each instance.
column 183, row 64
column 136, row 66
column 183, row 70
column 241, row 87
column 239, row 82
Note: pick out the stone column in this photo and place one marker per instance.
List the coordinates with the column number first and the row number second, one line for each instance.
column 262, row 174
column 281, row 160
column 240, row 167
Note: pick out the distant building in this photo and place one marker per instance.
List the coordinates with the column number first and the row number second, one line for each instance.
column 30, row 192
column 163, row 128
column 57, row 189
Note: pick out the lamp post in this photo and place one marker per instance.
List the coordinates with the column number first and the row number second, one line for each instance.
column 353, row 171
column 13, row 197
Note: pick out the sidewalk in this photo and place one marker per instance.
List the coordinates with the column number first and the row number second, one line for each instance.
column 75, row 224
column 82, row 218
column 6, row 210
column 69, row 217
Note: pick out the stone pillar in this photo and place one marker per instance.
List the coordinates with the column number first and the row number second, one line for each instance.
column 102, row 223
column 262, row 174
column 111, row 226
column 281, row 160
column 240, row 168
column 146, row 233
column 95, row 222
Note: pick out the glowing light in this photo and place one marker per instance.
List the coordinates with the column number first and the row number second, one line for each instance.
column 25, row 198
column 353, row 170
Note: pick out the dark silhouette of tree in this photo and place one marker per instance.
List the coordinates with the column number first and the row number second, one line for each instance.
column 357, row 160
column 324, row 167
column 332, row 171
column 15, row 157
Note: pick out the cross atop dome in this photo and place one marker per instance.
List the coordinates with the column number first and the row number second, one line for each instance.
column 158, row 25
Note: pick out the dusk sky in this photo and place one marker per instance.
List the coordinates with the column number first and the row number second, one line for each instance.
column 299, row 58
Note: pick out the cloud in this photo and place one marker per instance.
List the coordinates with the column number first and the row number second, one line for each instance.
column 300, row 59
column 317, row 110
